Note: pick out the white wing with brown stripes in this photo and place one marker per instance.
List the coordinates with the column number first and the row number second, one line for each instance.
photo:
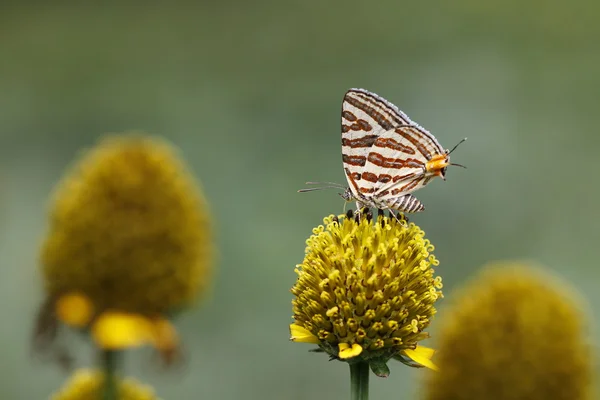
column 386, row 156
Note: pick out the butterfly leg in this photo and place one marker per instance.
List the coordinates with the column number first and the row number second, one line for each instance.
column 359, row 208
column 396, row 216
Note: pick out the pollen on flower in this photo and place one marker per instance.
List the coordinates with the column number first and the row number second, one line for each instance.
column 366, row 288
column 517, row 329
column 88, row 384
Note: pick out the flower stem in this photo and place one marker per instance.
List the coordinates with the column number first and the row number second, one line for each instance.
column 359, row 381
column 110, row 360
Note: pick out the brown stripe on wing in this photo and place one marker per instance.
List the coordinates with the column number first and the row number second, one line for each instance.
column 360, row 125
column 390, row 143
column 358, row 191
column 408, row 134
column 358, row 161
column 384, row 178
column 371, row 177
column 423, row 141
column 353, row 185
column 375, row 101
column 403, row 177
column 364, row 106
column 365, row 141
column 349, row 116
column 356, row 176
column 408, row 186
column 396, row 163
column 427, row 137
column 364, row 125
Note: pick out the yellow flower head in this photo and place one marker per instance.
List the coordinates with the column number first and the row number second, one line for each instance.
column 366, row 290
column 129, row 228
column 514, row 332
column 88, row 385
column 129, row 232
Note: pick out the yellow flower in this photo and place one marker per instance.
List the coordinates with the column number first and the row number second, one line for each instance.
column 129, row 235
column 514, row 332
column 366, row 291
column 88, row 385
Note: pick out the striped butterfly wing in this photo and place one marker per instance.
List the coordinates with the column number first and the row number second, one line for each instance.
column 401, row 155
column 396, row 162
column 366, row 118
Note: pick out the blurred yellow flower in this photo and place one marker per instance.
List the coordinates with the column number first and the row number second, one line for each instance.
column 88, row 385
column 74, row 309
column 366, row 291
column 514, row 332
column 129, row 241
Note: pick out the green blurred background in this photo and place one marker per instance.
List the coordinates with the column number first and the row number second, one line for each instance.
column 251, row 92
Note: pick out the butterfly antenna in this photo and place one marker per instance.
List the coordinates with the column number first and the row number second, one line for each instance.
column 317, row 188
column 327, row 185
column 458, row 165
column 339, row 185
column 454, row 148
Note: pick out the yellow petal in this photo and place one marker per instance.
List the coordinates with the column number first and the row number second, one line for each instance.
column 427, row 352
column 165, row 339
column 302, row 335
column 74, row 309
column 422, row 355
column 348, row 352
column 116, row 330
column 164, row 335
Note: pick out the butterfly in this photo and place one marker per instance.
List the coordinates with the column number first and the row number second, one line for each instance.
column 385, row 155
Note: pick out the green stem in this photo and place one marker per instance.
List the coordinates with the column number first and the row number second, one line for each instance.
column 110, row 361
column 359, row 381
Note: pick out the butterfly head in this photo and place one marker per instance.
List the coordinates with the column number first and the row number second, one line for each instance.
column 347, row 195
column 439, row 163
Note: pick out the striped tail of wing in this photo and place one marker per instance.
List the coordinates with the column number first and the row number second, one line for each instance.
column 406, row 204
